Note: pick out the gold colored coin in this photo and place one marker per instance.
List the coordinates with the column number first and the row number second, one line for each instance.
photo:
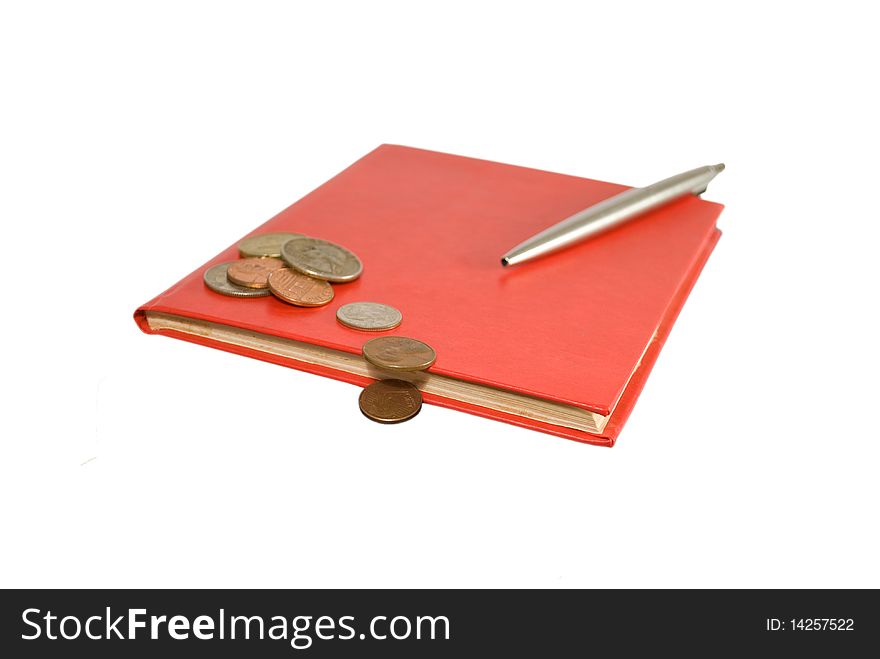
column 321, row 259
column 254, row 272
column 265, row 244
column 296, row 288
column 399, row 353
column 390, row 401
column 217, row 281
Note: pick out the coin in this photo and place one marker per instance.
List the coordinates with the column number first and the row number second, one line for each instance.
column 265, row 244
column 390, row 401
column 399, row 353
column 321, row 259
column 253, row 272
column 216, row 280
column 368, row 316
column 299, row 289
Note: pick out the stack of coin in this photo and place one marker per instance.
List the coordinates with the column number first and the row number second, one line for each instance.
column 294, row 268
column 393, row 400
column 301, row 270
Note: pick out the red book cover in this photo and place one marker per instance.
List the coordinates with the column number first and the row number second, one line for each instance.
column 579, row 329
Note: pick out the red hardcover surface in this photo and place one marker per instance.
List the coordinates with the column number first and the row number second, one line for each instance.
column 430, row 229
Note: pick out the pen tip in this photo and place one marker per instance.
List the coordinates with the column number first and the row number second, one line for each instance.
column 720, row 167
column 505, row 262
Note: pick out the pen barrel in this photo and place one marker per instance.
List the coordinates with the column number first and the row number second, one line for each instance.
column 612, row 212
column 637, row 201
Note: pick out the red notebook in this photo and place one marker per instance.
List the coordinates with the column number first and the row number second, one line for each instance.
column 562, row 344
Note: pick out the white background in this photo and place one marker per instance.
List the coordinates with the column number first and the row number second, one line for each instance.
column 139, row 139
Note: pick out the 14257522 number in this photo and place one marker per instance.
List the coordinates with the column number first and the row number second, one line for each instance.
column 821, row 624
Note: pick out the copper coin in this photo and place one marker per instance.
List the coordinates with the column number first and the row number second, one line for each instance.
column 399, row 353
column 390, row 401
column 265, row 244
column 321, row 259
column 253, row 273
column 217, row 281
column 299, row 289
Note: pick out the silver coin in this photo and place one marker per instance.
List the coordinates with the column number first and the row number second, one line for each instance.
column 321, row 259
column 265, row 244
column 215, row 279
column 368, row 316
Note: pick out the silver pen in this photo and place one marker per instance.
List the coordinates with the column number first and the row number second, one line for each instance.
column 611, row 212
